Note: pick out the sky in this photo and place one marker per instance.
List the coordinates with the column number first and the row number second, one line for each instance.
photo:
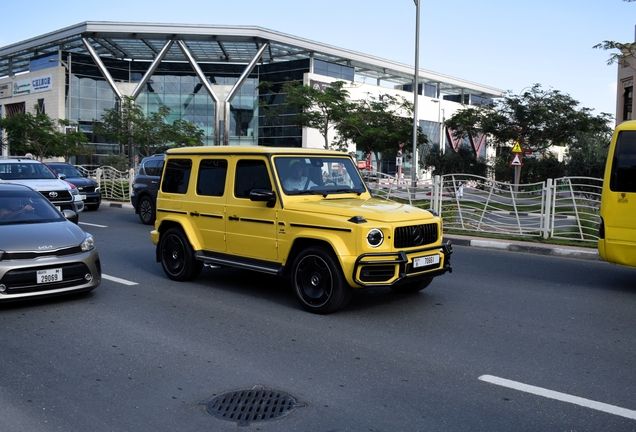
column 509, row 45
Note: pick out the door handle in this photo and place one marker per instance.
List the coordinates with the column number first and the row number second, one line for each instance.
column 194, row 213
column 233, row 218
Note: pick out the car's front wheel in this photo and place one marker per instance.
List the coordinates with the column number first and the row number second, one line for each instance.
column 318, row 282
column 177, row 256
column 147, row 211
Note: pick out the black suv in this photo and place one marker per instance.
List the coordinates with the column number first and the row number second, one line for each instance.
column 145, row 186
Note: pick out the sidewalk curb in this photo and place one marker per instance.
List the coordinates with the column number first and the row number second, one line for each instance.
column 126, row 205
column 553, row 250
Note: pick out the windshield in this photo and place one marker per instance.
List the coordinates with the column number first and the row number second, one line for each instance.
column 25, row 171
column 26, row 206
column 68, row 170
column 318, row 175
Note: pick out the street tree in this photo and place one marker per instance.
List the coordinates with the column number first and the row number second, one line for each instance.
column 625, row 51
column 381, row 126
column 149, row 133
column 315, row 107
column 34, row 133
column 536, row 118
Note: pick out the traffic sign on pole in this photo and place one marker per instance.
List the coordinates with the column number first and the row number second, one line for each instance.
column 517, row 148
column 516, row 161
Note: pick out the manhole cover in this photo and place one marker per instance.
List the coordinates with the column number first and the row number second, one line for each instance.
column 251, row 405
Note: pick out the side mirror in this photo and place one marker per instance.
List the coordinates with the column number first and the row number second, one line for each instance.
column 71, row 216
column 263, row 195
column 62, row 176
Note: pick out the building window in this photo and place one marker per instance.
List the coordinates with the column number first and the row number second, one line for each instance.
column 628, row 98
column 334, row 70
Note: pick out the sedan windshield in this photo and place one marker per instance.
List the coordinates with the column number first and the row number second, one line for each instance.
column 26, row 207
column 318, row 175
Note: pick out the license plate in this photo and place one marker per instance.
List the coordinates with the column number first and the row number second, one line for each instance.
column 58, row 208
column 425, row 261
column 49, row 275
column 83, row 196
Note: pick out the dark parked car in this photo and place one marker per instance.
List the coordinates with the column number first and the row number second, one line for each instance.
column 145, row 186
column 42, row 252
column 88, row 188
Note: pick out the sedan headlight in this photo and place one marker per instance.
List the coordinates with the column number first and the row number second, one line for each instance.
column 375, row 237
column 88, row 244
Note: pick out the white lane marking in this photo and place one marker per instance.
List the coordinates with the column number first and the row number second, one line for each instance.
column 95, row 225
column 599, row 406
column 121, row 281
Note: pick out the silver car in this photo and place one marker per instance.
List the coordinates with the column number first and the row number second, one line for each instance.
column 42, row 252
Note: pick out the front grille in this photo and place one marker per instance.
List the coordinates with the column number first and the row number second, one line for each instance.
column 86, row 189
column 58, row 196
column 415, row 235
column 33, row 255
column 25, row 280
column 377, row 273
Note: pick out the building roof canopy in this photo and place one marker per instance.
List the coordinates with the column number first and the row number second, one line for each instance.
column 213, row 44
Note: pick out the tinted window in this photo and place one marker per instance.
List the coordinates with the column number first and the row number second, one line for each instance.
column 623, row 176
column 250, row 174
column 153, row 167
column 177, row 175
column 211, row 179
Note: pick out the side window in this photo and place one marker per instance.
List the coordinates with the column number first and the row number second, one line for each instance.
column 211, row 178
column 153, row 167
column 177, row 175
column 623, row 176
column 250, row 174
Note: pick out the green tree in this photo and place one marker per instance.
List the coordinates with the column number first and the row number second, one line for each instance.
column 586, row 158
column 149, row 133
column 536, row 118
column 313, row 107
column 72, row 143
column 379, row 126
column 453, row 162
column 626, row 51
column 31, row 133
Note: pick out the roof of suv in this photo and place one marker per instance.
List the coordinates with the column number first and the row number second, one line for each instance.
column 254, row 150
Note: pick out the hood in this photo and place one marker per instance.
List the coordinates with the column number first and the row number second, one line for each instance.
column 41, row 184
column 81, row 181
column 373, row 209
column 40, row 236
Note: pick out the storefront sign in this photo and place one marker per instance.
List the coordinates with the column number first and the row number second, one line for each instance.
column 5, row 90
column 33, row 85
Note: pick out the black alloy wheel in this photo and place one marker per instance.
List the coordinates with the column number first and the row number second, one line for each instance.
column 177, row 256
column 318, row 282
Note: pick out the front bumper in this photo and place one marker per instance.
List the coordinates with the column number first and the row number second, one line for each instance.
column 385, row 269
column 18, row 277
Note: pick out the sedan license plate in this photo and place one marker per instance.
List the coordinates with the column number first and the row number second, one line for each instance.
column 425, row 261
column 49, row 275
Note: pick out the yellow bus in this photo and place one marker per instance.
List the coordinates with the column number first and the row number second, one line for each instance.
column 617, row 233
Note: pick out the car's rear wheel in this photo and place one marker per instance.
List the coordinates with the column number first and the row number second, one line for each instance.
column 318, row 282
column 147, row 211
column 177, row 256
column 412, row 287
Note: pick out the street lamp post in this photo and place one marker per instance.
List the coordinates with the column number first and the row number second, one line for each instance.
column 70, row 80
column 416, row 95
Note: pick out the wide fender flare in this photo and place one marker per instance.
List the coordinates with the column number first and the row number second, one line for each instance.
column 186, row 225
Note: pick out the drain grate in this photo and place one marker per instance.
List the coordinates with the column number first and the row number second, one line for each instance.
column 251, row 405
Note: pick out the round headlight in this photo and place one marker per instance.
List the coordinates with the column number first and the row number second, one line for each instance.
column 375, row 237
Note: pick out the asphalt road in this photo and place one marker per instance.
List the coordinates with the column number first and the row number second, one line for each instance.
column 508, row 341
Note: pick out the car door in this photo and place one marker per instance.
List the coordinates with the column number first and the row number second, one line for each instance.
column 251, row 225
column 207, row 210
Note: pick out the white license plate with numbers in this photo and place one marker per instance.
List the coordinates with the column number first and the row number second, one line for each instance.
column 425, row 261
column 49, row 275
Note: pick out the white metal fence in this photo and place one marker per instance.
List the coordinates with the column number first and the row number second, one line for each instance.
column 565, row 208
column 114, row 184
